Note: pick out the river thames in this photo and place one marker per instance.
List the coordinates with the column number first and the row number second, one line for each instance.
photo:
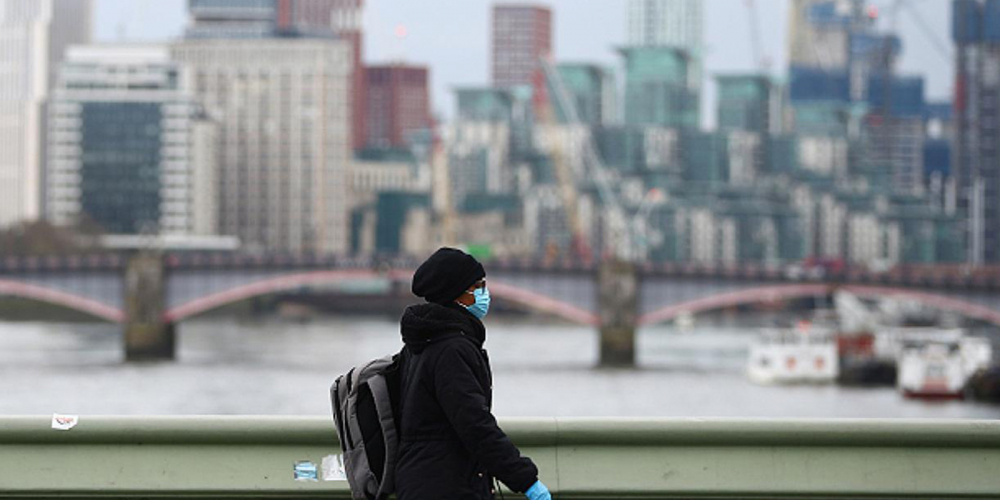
column 274, row 366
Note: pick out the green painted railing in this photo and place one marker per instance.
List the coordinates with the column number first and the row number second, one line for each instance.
column 254, row 457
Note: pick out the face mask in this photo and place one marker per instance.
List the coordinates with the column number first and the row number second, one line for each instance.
column 482, row 305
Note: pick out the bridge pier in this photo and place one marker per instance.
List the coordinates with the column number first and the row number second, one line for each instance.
column 618, row 299
column 147, row 337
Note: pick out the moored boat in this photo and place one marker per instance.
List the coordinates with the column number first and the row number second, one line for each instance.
column 806, row 354
column 936, row 363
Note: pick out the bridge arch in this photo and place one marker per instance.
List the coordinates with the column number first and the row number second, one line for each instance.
column 265, row 287
column 758, row 295
column 62, row 299
column 542, row 303
column 524, row 298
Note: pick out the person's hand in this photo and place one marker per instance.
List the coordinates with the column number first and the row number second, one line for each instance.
column 538, row 491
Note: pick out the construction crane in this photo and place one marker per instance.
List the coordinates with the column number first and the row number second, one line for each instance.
column 564, row 176
column 570, row 200
column 441, row 178
column 624, row 237
column 566, row 182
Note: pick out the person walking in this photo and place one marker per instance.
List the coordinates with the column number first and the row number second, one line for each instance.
column 451, row 447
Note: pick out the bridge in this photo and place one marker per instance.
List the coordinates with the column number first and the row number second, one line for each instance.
column 150, row 293
column 255, row 457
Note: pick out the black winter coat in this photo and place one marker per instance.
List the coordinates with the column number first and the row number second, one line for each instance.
column 450, row 444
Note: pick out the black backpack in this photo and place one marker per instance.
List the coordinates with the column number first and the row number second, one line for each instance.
column 365, row 402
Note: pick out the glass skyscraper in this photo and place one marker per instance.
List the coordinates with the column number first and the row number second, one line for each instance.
column 656, row 90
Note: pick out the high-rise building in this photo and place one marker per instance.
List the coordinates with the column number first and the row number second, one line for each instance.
column 819, row 33
column 127, row 146
column 33, row 36
column 656, row 88
column 593, row 91
column 343, row 19
column 289, row 18
column 677, row 24
column 751, row 103
column 478, row 159
column 522, row 38
column 513, row 107
column 398, row 104
column 284, row 137
column 845, row 93
column 666, row 23
column 893, row 132
column 976, row 160
column 833, row 50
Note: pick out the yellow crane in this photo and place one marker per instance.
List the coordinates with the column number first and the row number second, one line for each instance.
column 624, row 238
column 441, row 180
column 564, row 173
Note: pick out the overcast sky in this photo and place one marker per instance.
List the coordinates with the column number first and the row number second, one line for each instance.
column 452, row 36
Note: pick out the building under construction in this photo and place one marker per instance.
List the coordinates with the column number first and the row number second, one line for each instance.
column 843, row 87
column 976, row 165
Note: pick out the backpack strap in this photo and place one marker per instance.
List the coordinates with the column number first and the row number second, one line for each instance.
column 337, row 414
column 387, row 421
column 342, row 393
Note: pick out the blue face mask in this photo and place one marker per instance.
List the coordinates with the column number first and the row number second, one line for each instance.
column 482, row 305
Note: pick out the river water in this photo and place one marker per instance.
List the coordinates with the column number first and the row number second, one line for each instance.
column 275, row 366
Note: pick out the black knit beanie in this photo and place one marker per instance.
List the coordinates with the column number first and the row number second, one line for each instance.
column 445, row 275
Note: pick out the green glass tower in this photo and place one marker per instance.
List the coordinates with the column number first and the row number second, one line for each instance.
column 748, row 102
column 656, row 88
column 592, row 87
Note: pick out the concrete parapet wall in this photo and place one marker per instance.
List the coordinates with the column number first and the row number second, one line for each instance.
column 253, row 457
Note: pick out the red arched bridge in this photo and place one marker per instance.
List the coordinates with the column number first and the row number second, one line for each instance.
column 151, row 293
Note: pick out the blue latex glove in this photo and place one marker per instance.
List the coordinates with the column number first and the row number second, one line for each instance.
column 538, row 491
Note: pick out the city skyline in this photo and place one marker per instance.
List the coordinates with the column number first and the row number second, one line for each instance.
column 427, row 41
column 233, row 191
column 524, row 183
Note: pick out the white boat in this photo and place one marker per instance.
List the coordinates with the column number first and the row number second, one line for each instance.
column 806, row 354
column 938, row 363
